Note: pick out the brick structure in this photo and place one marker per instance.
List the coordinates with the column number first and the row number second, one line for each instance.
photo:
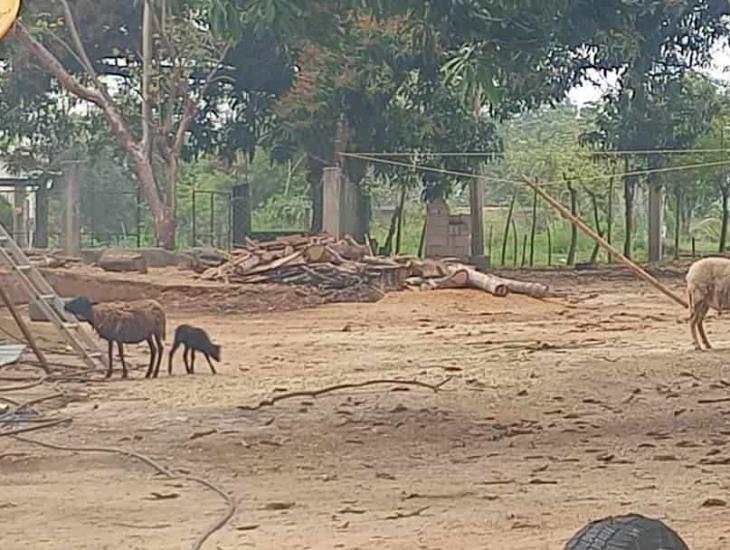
column 447, row 236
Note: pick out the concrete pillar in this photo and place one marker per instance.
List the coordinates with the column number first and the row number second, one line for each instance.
column 20, row 227
column 40, row 237
column 656, row 221
column 332, row 201
column 476, row 203
column 241, row 222
column 71, row 209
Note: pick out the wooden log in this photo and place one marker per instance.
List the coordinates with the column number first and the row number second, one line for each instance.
column 475, row 279
column 315, row 253
column 429, row 269
column 501, row 284
column 377, row 261
column 534, row 290
column 350, row 249
column 466, row 277
column 322, row 253
column 122, row 261
column 281, row 262
column 296, row 241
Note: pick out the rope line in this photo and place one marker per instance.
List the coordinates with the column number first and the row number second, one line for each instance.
column 626, row 152
column 458, row 173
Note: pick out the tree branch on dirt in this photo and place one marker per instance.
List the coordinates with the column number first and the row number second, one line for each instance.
column 348, row 386
column 46, row 425
column 198, row 544
column 405, row 515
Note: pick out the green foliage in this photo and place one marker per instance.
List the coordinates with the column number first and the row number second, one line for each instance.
column 403, row 76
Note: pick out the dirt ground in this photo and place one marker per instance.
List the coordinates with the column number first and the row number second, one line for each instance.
column 559, row 412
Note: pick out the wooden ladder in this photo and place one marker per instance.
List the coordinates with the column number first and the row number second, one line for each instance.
column 38, row 290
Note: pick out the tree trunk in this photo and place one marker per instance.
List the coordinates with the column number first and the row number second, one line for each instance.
column 678, row 219
column 422, row 241
column 725, row 190
column 597, row 219
column 629, row 192
column 476, row 209
column 573, row 229
column 490, row 242
column 524, row 251
column 364, row 211
column 146, row 77
column 387, row 248
column 533, row 230
column 507, row 226
column 314, row 178
column 166, row 229
column 401, row 218
column 609, row 216
column 549, row 245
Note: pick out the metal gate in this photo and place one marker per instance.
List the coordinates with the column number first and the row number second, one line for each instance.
column 212, row 219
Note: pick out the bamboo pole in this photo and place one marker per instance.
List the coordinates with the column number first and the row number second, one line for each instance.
column 507, row 225
column 27, row 334
column 577, row 222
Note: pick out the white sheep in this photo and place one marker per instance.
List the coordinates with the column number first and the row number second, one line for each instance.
column 708, row 286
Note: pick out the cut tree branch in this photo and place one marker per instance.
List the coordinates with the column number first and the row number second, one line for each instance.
column 330, row 389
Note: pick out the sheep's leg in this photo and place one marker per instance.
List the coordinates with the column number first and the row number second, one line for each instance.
column 160, row 350
column 701, row 329
column 185, row 359
column 153, row 349
column 120, row 347
column 693, row 331
column 210, row 363
column 192, row 361
column 172, row 353
column 696, row 319
column 111, row 359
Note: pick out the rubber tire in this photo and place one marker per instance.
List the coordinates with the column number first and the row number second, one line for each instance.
column 632, row 532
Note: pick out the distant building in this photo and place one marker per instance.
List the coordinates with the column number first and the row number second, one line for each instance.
column 447, row 235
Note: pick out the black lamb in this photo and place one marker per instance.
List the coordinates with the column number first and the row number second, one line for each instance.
column 194, row 339
column 125, row 323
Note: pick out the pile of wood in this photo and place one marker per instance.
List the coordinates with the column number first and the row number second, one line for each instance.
column 320, row 261
column 347, row 267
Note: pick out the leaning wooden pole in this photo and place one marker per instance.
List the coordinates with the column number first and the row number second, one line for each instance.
column 577, row 222
column 27, row 334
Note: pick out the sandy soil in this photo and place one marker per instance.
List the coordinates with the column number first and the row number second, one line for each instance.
column 559, row 412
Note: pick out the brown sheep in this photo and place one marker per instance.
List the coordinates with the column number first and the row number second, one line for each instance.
column 125, row 323
column 708, row 286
